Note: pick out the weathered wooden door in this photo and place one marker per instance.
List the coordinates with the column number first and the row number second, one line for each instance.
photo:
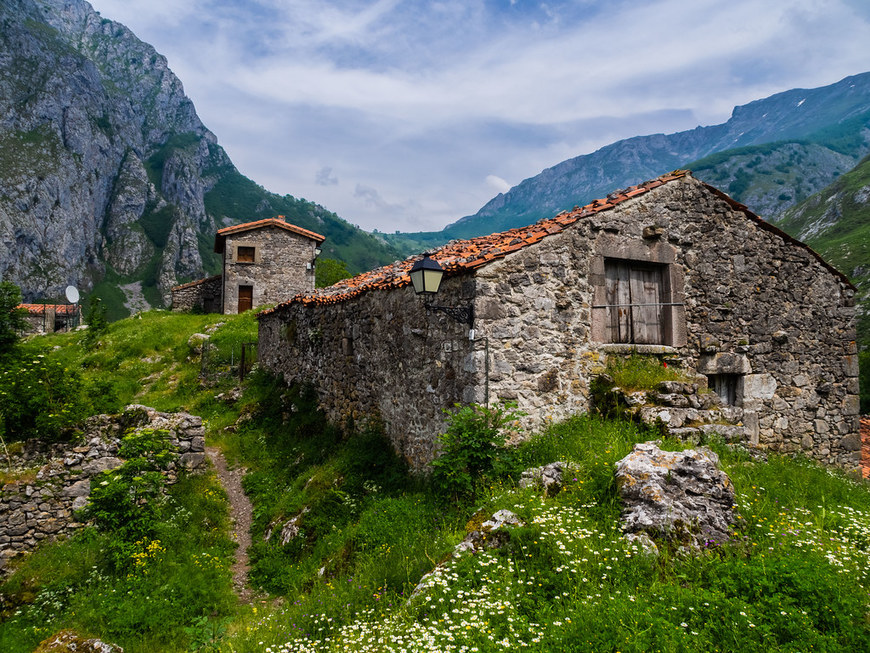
column 246, row 298
column 635, row 298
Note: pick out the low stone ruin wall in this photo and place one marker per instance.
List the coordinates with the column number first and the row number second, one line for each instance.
column 33, row 510
column 204, row 295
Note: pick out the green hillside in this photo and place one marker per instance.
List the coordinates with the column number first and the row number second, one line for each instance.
column 794, row 576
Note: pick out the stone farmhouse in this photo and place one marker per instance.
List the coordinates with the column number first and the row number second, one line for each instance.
column 672, row 268
column 264, row 262
column 48, row 318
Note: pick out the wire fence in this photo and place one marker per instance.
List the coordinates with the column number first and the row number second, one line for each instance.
column 230, row 360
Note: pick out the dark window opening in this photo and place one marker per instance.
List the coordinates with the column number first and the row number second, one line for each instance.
column 638, row 307
column 727, row 386
column 245, row 254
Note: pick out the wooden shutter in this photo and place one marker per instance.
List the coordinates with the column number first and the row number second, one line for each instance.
column 646, row 310
column 634, row 296
column 246, row 298
column 618, row 292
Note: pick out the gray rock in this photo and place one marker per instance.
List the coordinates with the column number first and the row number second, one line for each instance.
column 98, row 465
column 682, row 496
column 78, row 489
column 192, row 460
column 548, row 477
column 492, row 534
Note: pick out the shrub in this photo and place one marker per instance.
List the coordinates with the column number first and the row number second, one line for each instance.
column 473, row 446
column 40, row 397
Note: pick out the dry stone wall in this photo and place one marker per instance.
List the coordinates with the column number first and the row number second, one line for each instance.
column 380, row 356
column 749, row 302
column 204, row 295
column 43, row 507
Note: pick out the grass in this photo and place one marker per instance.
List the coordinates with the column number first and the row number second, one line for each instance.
column 638, row 372
column 154, row 603
column 794, row 576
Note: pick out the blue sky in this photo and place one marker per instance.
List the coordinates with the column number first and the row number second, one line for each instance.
column 409, row 114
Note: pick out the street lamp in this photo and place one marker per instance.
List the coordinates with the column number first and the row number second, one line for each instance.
column 426, row 275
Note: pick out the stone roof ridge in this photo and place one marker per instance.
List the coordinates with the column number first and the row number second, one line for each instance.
column 191, row 284
column 459, row 256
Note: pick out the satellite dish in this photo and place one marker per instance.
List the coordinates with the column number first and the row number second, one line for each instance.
column 72, row 294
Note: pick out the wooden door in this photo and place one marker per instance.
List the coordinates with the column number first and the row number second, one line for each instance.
column 246, row 298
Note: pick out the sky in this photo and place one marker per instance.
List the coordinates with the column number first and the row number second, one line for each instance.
column 407, row 115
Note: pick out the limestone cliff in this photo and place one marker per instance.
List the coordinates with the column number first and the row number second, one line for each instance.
column 106, row 169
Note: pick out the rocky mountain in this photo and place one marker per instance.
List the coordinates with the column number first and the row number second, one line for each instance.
column 769, row 154
column 107, row 175
column 836, row 223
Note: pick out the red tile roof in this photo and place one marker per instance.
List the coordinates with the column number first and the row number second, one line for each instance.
column 460, row 256
column 865, row 446
column 59, row 309
column 221, row 235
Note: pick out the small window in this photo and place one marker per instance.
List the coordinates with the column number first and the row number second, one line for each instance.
column 245, row 254
column 727, row 386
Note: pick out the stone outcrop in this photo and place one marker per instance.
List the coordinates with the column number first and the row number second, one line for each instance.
column 681, row 496
column 42, row 507
column 490, row 534
column 548, row 477
column 689, row 411
column 68, row 641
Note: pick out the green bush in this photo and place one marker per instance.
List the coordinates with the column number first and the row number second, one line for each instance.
column 40, row 396
column 473, row 446
column 126, row 501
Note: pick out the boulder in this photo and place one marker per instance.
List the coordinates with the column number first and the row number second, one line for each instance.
column 492, row 533
column 548, row 477
column 69, row 641
column 681, row 496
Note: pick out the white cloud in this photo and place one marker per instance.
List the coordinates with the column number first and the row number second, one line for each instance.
column 499, row 184
column 421, row 101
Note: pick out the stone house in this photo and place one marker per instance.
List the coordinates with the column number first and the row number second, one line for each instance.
column 48, row 318
column 672, row 268
column 264, row 262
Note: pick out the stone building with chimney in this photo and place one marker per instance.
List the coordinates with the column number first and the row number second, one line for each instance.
column 672, row 268
column 264, row 262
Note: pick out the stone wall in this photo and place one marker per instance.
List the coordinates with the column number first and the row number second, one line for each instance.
column 749, row 302
column 380, row 356
column 41, row 508
column 204, row 295
column 280, row 269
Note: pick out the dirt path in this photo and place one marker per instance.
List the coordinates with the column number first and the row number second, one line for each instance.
column 240, row 512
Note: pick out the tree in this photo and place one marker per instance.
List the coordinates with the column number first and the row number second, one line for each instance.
column 12, row 321
column 329, row 271
column 97, row 322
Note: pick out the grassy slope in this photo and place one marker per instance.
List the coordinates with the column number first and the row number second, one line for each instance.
column 793, row 578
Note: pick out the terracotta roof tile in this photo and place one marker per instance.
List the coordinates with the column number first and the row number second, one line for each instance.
column 59, row 309
column 220, row 236
column 460, row 256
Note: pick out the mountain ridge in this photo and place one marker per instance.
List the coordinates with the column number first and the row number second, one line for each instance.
column 834, row 118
